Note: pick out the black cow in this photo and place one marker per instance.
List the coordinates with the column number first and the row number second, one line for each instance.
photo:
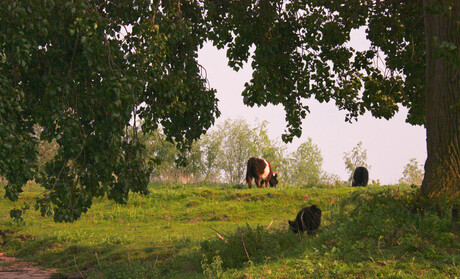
column 308, row 219
column 360, row 177
column 261, row 171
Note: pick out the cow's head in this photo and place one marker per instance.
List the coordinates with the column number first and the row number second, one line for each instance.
column 273, row 180
column 294, row 225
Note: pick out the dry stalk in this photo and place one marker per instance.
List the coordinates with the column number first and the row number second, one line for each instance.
column 97, row 258
column 156, row 260
column 244, row 246
column 75, row 261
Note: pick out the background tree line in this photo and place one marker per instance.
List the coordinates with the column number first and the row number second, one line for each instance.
column 221, row 155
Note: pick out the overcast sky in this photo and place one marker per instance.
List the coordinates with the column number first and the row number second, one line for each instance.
column 389, row 143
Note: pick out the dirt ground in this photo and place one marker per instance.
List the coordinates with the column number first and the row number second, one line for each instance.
column 11, row 268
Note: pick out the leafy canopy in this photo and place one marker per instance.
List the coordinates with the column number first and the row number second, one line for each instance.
column 300, row 51
column 82, row 69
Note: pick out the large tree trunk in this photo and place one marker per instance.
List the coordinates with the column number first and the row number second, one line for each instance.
column 442, row 167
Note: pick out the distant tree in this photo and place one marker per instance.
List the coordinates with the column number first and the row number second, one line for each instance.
column 412, row 173
column 306, row 163
column 194, row 168
column 233, row 142
column 162, row 153
column 236, row 148
column 210, row 145
column 168, row 162
column 269, row 149
column 220, row 155
column 357, row 157
column 46, row 150
column 263, row 145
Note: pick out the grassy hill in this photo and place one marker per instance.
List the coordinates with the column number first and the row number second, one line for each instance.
column 222, row 231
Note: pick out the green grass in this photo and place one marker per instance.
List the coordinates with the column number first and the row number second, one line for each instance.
column 172, row 233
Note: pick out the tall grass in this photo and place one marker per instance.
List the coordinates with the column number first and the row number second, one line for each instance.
column 228, row 231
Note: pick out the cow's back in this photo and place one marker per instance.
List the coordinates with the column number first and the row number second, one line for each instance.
column 360, row 177
column 258, row 168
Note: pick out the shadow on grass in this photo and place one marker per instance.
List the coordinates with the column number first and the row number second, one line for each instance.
column 253, row 244
column 171, row 260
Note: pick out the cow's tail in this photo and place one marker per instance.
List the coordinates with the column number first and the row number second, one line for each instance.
column 247, row 171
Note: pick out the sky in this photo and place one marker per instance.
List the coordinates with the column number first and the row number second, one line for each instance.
column 390, row 144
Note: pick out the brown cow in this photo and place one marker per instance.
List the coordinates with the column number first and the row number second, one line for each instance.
column 261, row 171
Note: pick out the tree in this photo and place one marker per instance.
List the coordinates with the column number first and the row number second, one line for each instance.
column 269, row 149
column 237, row 147
column 306, row 164
column 300, row 52
column 193, row 169
column 226, row 149
column 213, row 156
column 46, row 150
column 81, row 70
column 412, row 174
column 166, row 160
column 442, row 35
column 211, row 144
column 357, row 157
column 162, row 153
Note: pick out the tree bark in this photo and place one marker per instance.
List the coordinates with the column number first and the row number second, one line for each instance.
column 442, row 167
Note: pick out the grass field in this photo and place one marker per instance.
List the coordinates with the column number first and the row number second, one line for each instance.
column 221, row 231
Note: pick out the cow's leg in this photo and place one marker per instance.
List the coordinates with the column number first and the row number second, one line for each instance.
column 249, row 180
column 258, row 182
column 262, row 183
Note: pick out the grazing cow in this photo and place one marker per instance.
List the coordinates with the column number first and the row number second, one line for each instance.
column 360, row 177
column 261, row 171
column 308, row 219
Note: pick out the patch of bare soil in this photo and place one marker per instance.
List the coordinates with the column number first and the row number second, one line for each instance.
column 12, row 268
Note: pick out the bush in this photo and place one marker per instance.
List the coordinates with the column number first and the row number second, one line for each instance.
column 396, row 217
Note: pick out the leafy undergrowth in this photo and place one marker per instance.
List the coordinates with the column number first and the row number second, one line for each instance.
column 221, row 231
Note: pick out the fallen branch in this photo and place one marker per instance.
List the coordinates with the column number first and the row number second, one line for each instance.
column 215, row 230
column 270, row 225
column 220, row 235
column 221, row 238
